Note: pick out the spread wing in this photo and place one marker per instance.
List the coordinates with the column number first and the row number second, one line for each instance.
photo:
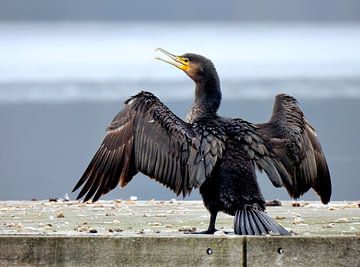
column 298, row 154
column 257, row 150
column 147, row 137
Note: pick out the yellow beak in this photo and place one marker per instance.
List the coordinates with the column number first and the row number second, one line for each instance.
column 177, row 61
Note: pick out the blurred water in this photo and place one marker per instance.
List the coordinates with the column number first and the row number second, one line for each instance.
column 75, row 62
column 61, row 84
column 85, row 91
column 45, row 147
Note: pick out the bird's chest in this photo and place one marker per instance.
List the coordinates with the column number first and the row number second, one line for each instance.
column 193, row 114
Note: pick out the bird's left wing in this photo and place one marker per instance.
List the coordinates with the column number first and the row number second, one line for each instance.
column 147, row 137
column 297, row 150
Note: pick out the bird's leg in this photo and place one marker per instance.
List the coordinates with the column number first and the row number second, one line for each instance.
column 211, row 229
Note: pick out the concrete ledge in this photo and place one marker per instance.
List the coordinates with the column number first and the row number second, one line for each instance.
column 153, row 233
column 117, row 251
column 179, row 251
column 303, row 251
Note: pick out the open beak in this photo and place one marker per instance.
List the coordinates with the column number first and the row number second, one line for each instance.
column 177, row 61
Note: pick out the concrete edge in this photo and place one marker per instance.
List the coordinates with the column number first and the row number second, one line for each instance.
column 31, row 250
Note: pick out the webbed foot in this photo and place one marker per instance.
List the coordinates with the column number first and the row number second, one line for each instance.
column 206, row 232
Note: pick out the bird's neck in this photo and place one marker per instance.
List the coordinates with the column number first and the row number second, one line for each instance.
column 207, row 99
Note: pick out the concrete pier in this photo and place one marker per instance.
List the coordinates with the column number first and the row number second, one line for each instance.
column 138, row 233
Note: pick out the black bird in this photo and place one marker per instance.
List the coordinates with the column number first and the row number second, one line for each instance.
column 215, row 154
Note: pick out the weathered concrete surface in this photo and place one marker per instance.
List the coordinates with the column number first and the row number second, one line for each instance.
column 303, row 251
column 179, row 251
column 137, row 233
column 120, row 251
column 163, row 218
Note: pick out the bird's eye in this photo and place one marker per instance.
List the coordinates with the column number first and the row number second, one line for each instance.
column 186, row 60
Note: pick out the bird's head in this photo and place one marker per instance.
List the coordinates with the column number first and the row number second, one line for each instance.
column 197, row 67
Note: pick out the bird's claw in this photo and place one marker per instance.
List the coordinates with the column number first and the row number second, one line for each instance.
column 206, row 232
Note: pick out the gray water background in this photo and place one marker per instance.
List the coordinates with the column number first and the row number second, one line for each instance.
column 60, row 87
column 45, row 147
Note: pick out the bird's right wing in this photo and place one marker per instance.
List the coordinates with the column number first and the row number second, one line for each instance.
column 298, row 154
column 147, row 137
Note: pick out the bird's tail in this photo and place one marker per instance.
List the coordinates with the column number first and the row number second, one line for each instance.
column 256, row 222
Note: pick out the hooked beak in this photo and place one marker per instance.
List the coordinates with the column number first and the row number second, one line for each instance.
column 177, row 61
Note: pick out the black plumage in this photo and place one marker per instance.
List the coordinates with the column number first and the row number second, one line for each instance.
column 218, row 155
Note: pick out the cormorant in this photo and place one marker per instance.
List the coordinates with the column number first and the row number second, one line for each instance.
column 218, row 155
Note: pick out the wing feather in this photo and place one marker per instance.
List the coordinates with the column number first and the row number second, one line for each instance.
column 293, row 141
column 256, row 150
column 147, row 137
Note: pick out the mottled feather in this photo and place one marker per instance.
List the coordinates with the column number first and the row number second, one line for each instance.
column 147, row 137
column 299, row 156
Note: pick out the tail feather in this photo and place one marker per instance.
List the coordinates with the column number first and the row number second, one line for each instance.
column 247, row 223
column 254, row 225
column 265, row 218
column 256, row 222
column 259, row 224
